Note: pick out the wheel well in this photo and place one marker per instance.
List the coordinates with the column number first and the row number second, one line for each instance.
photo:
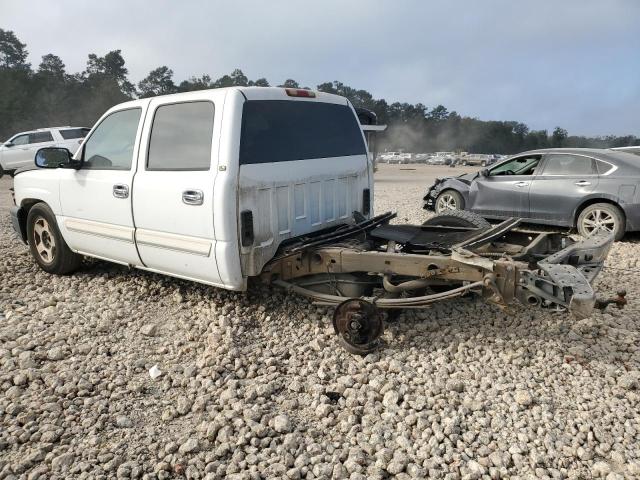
column 23, row 213
column 592, row 201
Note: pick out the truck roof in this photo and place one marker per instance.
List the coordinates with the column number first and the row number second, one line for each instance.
column 254, row 93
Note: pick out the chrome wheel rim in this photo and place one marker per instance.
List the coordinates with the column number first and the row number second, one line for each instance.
column 598, row 221
column 446, row 201
column 44, row 240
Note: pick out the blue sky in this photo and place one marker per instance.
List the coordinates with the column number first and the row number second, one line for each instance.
column 572, row 63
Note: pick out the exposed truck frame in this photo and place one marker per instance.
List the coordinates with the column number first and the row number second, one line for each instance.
column 373, row 265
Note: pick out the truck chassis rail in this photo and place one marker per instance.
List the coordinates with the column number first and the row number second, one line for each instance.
column 371, row 265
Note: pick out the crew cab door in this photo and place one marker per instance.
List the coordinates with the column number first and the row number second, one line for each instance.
column 96, row 200
column 504, row 192
column 562, row 184
column 173, row 192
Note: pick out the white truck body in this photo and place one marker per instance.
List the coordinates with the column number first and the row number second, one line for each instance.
column 186, row 222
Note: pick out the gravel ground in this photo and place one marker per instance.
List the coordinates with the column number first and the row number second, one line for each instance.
column 254, row 385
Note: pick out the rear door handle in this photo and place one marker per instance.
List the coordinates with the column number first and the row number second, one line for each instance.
column 521, row 184
column 120, row 190
column 193, row 197
column 583, row 183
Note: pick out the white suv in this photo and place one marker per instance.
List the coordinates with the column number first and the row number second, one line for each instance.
column 19, row 151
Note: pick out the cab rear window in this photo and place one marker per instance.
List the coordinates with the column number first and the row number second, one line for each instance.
column 284, row 130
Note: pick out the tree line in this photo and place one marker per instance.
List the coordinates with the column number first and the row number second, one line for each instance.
column 48, row 96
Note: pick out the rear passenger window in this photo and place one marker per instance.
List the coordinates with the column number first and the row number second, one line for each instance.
column 181, row 137
column 603, row 167
column 568, row 165
column 40, row 137
column 73, row 133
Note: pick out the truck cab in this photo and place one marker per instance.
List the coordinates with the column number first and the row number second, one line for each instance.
column 202, row 185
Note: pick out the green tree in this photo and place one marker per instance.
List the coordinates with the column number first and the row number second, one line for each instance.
column 111, row 66
column 13, row 53
column 195, row 83
column 558, row 137
column 158, row 82
column 290, row 83
column 52, row 66
column 261, row 82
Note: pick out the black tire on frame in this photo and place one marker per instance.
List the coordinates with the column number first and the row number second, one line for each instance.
column 458, row 218
column 47, row 246
column 610, row 216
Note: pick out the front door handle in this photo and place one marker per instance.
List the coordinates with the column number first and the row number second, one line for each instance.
column 582, row 183
column 193, row 197
column 121, row 190
column 521, row 184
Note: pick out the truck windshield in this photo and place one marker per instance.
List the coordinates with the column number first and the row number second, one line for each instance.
column 284, row 130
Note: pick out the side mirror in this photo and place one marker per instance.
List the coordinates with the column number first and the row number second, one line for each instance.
column 54, row 157
column 9, row 144
column 484, row 172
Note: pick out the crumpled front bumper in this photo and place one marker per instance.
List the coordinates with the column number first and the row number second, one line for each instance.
column 429, row 200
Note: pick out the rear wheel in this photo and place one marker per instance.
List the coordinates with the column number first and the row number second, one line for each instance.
column 601, row 217
column 47, row 246
column 458, row 218
column 449, row 200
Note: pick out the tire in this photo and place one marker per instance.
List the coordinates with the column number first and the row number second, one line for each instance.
column 458, row 218
column 483, row 163
column 47, row 246
column 449, row 200
column 601, row 216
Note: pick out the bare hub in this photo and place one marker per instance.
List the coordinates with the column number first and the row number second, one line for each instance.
column 358, row 325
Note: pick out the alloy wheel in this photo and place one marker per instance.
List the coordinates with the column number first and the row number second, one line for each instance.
column 44, row 240
column 598, row 221
column 446, row 202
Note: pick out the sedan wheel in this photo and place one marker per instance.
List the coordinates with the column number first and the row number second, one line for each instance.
column 601, row 217
column 449, row 200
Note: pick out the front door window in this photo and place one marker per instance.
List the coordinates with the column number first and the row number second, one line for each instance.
column 516, row 166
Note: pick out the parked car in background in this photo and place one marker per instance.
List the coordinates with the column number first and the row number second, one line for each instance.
column 423, row 157
column 589, row 189
column 395, row 157
column 20, row 149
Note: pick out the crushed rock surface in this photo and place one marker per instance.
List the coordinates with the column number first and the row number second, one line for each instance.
column 254, row 385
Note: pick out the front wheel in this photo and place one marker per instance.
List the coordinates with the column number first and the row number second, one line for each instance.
column 47, row 246
column 449, row 200
column 601, row 217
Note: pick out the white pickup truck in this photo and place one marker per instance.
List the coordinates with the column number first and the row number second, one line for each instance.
column 202, row 185
column 218, row 186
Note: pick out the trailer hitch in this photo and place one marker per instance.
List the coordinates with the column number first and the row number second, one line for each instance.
column 620, row 300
